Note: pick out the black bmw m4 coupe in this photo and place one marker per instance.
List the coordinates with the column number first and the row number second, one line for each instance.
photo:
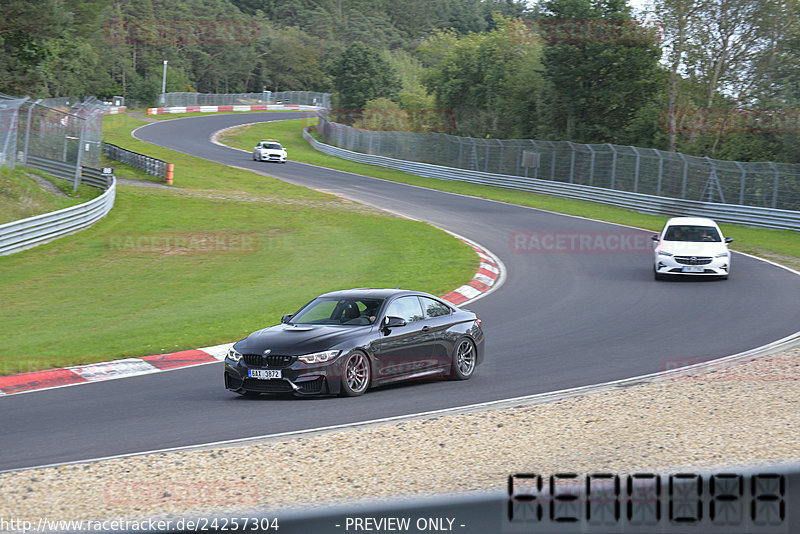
column 345, row 342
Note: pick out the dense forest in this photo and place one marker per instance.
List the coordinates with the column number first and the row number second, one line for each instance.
column 717, row 78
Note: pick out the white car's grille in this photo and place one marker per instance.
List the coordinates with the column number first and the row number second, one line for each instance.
column 693, row 260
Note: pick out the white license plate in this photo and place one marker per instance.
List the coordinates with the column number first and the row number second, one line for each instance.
column 264, row 374
column 693, row 269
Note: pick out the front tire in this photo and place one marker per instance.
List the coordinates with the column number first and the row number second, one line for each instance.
column 464, row 360
column 356, row 375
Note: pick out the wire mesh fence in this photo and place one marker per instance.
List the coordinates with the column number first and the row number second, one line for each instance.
column 292, row 98
column 63, row 129
column 9, row 120
column 622, row 168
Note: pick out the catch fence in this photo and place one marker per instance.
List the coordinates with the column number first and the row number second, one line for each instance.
column 64, row 130
column 291, row 98
column 620, row 168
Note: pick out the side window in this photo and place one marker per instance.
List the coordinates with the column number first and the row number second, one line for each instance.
column 407, row 308
column 434, row 308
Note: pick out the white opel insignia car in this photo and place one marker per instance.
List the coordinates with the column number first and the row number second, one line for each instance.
column 691, row 246
column 269, row 150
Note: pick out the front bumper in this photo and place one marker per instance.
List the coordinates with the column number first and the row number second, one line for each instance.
column 277, row 158
column 692, row 266
column 298, row 378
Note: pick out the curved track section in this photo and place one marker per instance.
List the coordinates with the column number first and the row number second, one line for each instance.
column 562, row 319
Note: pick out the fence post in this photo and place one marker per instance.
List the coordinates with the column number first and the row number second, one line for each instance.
column 553, row 163
column 571, row 163
column 660, row 172
column 613, row 166
column 500, row 162
column 744, row 178
column 79, row 157
column 591, row 165
column 28, row 132
column 685, row 174
column 775, row 187
column 636, row 171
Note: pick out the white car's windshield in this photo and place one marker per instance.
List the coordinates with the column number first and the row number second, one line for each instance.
column 693, row 233
column 272, row 146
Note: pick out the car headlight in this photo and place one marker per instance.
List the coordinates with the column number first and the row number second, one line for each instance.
column 319, row 357
column 234, row 355
column 722, row 255
column 664, row 253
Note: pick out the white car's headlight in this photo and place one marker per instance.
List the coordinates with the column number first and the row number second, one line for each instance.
column 234, row 355
column 722, row 255
column 664, row 253
column 319, row 357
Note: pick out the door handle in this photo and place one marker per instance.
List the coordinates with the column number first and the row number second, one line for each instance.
column 426, row 328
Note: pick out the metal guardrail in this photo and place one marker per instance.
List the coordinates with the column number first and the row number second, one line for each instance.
column 728, row 213
column 91, row 177
column 27, row 233
column 152, row 166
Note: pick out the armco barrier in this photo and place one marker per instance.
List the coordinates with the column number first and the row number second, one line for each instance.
column 216, row 109
column 728, row 213
column 152, row 166
column 27, row 233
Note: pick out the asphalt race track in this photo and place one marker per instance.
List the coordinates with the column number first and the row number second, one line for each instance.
column 562, row 319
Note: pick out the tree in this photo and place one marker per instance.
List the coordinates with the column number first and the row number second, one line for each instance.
column 490, row 80
column 26, row 29
column 361, row 74
column 294, row 61
column 602, row 67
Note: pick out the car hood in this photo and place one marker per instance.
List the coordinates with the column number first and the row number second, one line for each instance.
column 294, row 340
column 688, row 248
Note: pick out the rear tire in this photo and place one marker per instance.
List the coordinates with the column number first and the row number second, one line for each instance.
column 464, row 360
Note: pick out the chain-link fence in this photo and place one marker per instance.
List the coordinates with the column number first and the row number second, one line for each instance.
column 624, row 168
column 62, row 129
column 291, row 98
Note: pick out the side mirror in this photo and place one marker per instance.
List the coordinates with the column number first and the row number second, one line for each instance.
column 393, row 322
column 285, row 318
column 729, row 240
column 655, row 237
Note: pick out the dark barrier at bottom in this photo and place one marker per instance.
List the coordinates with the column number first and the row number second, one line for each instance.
column 764, row 500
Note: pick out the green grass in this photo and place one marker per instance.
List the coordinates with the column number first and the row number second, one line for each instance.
column 782, row 246
column 178, row 268
column 21, row 197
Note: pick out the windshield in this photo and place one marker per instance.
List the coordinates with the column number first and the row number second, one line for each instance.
column 693, row 233
column 272, row 146
column 352, row 312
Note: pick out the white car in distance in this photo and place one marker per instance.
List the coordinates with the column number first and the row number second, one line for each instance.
column 691, row 246
column 269, row 150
